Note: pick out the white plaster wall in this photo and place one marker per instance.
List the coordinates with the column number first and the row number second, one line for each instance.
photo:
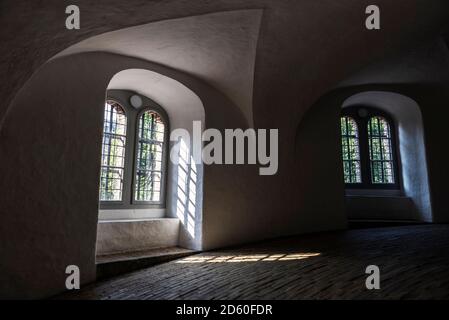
column 380, row 208
column 239, row 205
column 120, row 214
column 135, row 235
column 193, row 45
column 56, row 163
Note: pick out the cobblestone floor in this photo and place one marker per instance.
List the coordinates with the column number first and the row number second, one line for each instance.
column 413, row 261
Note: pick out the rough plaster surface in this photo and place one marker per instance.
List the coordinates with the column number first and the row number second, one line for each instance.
column 129, row 214
column 194, row 45
column 427, row 63
column 381, row 208
column 301, row 54
column 123, row 236
column 181, row 104
column 295, row 36
column 62, row 141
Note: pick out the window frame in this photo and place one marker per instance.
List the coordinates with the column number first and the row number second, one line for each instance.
column 125, row 162
column 122, row 97
column 362, row 121
column 347, row 137
column 164, row 164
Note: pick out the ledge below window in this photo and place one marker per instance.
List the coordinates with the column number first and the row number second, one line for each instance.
column 130, row 214
column 374, row 192
column 119, row 236
column 380, row 207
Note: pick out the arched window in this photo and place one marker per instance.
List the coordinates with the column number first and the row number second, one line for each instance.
column 380, row 151
column 149, row 165
column 133, row 161
column 350, row 150
column 113, row 152
column 369, row 149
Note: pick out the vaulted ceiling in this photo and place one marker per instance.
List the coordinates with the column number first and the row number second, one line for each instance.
column 303, row 47
column 193, row 45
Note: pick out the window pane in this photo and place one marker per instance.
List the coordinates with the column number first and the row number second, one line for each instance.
column 380, row 151
column 350, row 150
column 113, row 152
column 151, row 136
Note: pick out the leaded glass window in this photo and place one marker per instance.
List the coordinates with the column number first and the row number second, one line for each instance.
column 150, row 142
column 113, row 152
column 350, row 150
column 380, row 151
column 133, row 157
column 369, row 151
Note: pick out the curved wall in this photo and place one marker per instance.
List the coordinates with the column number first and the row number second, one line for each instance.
column 52, row 136
column 193, row 45
column 49, row 182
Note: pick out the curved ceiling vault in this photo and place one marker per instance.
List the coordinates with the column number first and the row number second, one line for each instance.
column 178, row 101
column 219, row 48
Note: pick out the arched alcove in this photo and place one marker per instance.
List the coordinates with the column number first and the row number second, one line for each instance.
column 183, row 192
column 407, row 116
column 54, row 165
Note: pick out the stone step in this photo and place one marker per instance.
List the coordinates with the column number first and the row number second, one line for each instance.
column 110, row 265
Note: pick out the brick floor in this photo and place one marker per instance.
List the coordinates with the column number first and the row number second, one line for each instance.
column 413, row 260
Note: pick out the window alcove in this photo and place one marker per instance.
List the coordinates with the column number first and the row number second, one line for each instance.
column 145, row 208
column 383, row 158
column 369, row 149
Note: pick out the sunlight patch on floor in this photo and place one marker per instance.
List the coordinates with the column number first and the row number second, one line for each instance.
column 248, row 258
